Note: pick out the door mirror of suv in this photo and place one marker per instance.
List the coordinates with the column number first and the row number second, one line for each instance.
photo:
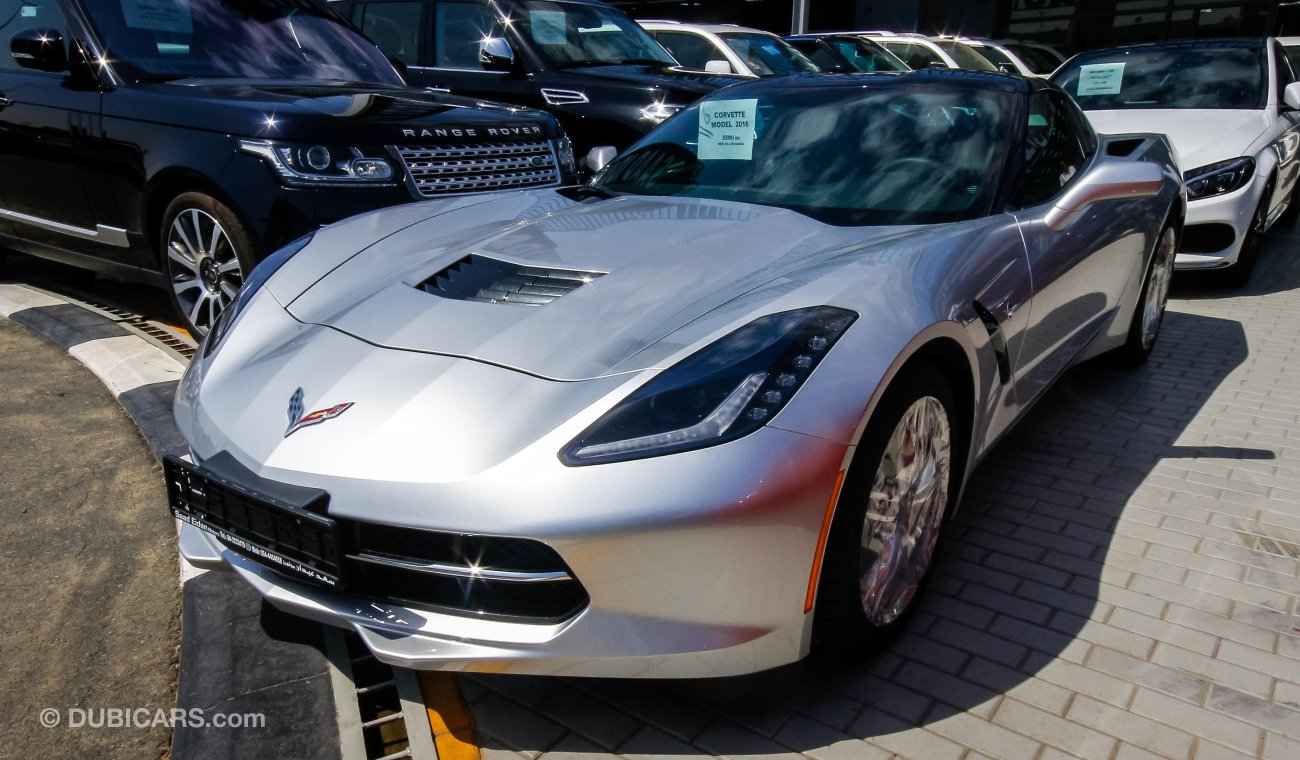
column 599, row 156
column 718, row 67
column 1291, row 96
column 1113, row 180
column 40, row 49
column 496, row 55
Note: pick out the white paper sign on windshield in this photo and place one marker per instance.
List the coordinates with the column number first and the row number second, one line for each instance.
column 1100, row 78
column 158, row 15
column 549, row 27
column 727, row 129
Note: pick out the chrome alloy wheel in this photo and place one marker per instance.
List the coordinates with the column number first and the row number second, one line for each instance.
column 907, row 502
column 1157, row 295
column 203, row 266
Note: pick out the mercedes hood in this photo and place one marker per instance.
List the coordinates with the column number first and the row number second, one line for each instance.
column 1199, row 136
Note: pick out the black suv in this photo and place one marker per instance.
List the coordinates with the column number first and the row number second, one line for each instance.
column 602, row 75
column 178, row 142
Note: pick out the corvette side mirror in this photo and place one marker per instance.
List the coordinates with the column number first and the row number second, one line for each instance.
column 599, row 156
column 1116, row 180
column 40, row 49
column 1291, row 96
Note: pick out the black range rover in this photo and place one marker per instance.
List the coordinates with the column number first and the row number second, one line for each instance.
column 603, row 76
column 178, row 142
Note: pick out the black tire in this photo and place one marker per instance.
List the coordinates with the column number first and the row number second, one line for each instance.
column 213, row 276
column 1142, row 334
column 1239, row 273
column 841, row 623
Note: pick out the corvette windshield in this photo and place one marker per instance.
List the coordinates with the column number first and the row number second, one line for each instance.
column 903, row 154
column 1173, row 76
column 574, row 34
column 247, row 39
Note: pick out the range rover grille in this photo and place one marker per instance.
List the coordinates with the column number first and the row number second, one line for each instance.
column 489, row 280
column 445, row 169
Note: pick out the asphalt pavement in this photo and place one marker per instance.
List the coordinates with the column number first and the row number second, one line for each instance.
column 89, row 581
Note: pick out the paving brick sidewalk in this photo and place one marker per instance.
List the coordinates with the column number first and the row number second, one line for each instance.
column 1121, row 583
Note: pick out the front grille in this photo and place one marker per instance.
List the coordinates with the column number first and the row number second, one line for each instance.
column 489, row 280
column 436, row 170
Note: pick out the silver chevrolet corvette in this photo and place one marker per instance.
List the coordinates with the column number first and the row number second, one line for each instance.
column 691, row 419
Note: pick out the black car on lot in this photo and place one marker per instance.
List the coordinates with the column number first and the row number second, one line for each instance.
column 595, row 69
column 178, row 142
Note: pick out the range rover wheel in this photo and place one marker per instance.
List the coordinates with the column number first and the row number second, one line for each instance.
column 206, row 253
column 1150, row 311
column 897, row 493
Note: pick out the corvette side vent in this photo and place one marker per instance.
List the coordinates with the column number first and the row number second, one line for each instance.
column 481, row 278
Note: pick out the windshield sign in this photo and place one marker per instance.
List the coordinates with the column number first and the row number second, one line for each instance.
column 1167, row 77
column 902, row 154
column 248, row 39
column 570, row 35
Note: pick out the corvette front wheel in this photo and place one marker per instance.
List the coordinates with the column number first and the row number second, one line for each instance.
column 883, row 537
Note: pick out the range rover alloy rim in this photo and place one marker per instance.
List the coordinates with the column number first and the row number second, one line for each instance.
column 908, row 497
column 1157, row 295
column 205, row 271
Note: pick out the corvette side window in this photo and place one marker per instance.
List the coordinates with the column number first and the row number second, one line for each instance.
column 1055, row 151
column 22, row 15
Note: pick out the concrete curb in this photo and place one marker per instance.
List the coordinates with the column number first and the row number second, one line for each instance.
column 247, row 657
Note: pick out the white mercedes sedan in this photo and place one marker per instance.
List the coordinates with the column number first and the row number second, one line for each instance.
column 1230, row 109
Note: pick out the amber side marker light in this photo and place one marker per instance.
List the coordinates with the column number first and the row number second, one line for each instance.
column 821, row 543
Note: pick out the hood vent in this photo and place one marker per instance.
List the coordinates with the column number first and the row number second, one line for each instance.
column 480, row 278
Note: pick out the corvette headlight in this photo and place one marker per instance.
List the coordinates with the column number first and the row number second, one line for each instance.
column 725, row 390
column 658, row 112
column 328, row 165
column 1219, row 178
column 252, row 283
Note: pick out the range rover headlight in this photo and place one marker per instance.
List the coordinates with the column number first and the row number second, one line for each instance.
column 1218, row 178
column 726, row 390
column 564, row 150
column 317, row 165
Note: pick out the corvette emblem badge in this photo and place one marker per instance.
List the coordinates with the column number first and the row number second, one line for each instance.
column 298, row 421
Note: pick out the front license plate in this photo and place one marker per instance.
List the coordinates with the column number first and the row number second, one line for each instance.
column 281, row 535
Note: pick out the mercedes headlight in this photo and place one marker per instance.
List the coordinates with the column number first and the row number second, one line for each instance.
column 324, row 165
column 252, row 283
column 1219, row 178
column 727, row 389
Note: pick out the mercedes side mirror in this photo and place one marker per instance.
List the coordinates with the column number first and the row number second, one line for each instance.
column 1116, row 180
column 1291, row 96
column 40, row 49
column 599, row 156
column 496, row 54
column 718, row 67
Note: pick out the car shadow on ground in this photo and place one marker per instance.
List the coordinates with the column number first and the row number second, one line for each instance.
column 1034, row 561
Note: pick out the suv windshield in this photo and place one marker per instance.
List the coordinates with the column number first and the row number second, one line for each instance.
column 765, row 55
column 965, row 57
column 1038, row 61
column 253, row 39
column 883, row 155
column 1167, row 76
column 866, row 56
column 573, row 34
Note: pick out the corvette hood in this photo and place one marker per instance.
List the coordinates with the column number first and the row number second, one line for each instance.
column 1199, row 136
column 650, row 265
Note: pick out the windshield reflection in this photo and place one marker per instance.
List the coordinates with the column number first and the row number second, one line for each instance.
column 1168, row 76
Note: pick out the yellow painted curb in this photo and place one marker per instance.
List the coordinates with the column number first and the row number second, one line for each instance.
column 449, row 717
